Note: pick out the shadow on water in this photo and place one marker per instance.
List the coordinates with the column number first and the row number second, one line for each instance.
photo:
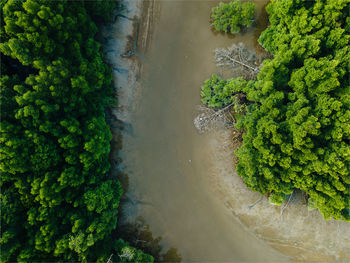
column 133, row 228
column 262, row 22
column 119, row 126
column 139, row 235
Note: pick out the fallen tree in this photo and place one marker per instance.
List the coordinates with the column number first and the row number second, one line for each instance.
column 241, row 60
column 225, row 97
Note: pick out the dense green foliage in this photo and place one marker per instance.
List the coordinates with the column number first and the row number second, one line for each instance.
column 57, row 201
column 217, row 92
column 127, row 253
column 297, row 127
column 229, row 17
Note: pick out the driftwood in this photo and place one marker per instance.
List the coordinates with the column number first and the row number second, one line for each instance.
column 241, row 60
column 209, row 118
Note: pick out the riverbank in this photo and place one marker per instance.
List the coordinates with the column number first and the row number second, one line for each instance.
column 183, row 184
column 126, row 41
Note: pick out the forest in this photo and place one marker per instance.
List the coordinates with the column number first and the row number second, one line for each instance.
column 296, row 111
column 58, row 201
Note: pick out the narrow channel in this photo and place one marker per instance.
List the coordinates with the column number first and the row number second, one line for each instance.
column 167, row 161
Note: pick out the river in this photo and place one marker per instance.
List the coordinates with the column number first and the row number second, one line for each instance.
column 182, row 183
column 167, row 161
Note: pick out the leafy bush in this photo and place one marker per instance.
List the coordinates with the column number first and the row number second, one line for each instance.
column 217, row 92
column 229, row 17
column 57, row 201
column 297, row 127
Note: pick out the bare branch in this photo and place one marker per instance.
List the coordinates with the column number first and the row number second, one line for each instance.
column 209, row 118
column 110, row 259
column 238, row 58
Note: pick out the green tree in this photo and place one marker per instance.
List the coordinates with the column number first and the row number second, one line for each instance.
column 57, row 201
column 229, row 17
column 297, row 123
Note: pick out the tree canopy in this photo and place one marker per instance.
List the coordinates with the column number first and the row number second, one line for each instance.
column 229, row 17
column 58, row 202
column 297, row 124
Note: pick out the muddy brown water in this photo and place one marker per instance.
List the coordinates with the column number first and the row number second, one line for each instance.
column 167, row 161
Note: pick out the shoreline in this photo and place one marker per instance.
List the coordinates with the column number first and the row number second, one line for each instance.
column 129, row 32
column 310, row 236
column 300, row 234
column 128, row 39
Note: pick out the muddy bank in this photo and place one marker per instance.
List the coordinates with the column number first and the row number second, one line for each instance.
column 301, row 234
column 126, row 41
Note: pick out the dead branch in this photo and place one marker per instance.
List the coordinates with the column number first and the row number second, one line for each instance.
column 110, row 259
column 209, row 118
column 241, row 60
